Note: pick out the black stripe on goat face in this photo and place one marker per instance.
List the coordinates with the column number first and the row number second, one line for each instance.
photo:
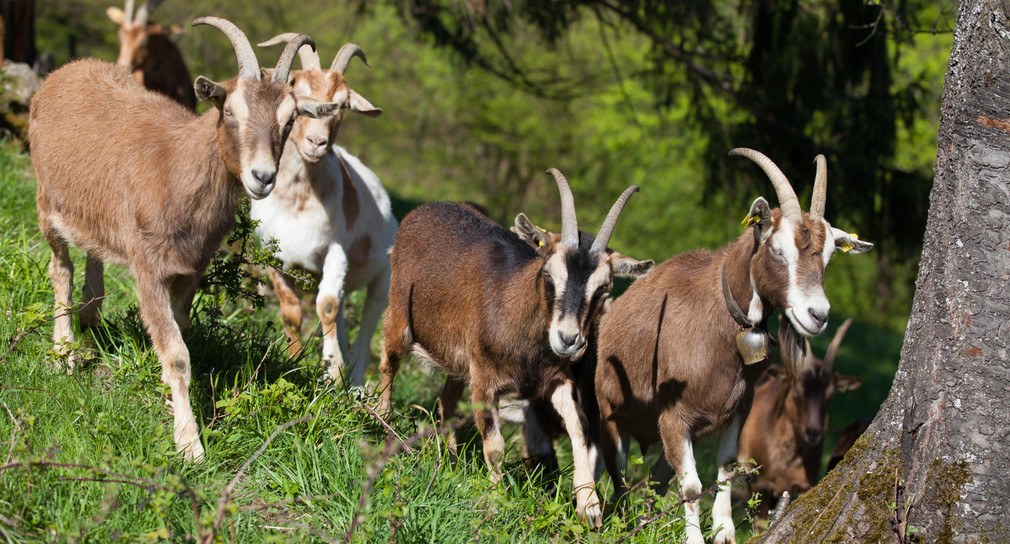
column 577, row 285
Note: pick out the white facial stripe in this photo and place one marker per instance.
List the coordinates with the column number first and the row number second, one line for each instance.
column 799, row 302
column 569, row 326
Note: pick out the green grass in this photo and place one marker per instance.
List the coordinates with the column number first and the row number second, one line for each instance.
column 88, row 457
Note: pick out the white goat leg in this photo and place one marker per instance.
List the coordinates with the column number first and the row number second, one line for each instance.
column 722, row 513
column 587, row 503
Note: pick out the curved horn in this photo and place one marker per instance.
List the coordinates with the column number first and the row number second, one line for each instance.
column 128, row 14
column 144, row 12
column 820, row 197
column 248, row 66
column 569, row 225
column 344, row 56
column 829, row 357
column 783, row 190
column 309, row 58
column 603, row 237
column 288, row 56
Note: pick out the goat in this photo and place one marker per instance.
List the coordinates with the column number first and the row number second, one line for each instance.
column 330, row 217
column 146, row 50
column 670, row 361
column 472, row 298
column 784, row 432
column 132, row 177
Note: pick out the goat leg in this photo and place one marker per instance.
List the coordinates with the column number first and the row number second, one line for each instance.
column 679, row 451
column 61, row 274
column 156, row 313
column 587, row 503
column 722, row 513
column 448, row 402
column 291, row 308
column 93, row 291
column 485, row 415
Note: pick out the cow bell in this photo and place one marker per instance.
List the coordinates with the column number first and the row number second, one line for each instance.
column 754, row 344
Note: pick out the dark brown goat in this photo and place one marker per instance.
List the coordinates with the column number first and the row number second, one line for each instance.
column 146, row 49
column 475, row 300
column 670, row 364
column 784, row 432
column 132, row 177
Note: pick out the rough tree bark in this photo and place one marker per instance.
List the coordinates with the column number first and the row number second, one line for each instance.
column 935, row 465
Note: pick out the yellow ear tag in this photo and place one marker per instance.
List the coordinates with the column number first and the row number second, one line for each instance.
column 540, row 242
column 750, row 220
column 847, row 245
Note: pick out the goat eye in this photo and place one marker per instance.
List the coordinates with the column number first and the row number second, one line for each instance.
column 227, row 111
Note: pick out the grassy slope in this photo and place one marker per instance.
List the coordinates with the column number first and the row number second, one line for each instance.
column 89, row 456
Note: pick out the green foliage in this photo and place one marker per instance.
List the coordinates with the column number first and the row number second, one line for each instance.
column 588, row 92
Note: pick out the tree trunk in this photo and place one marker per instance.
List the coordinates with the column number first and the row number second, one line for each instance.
column 934, row 465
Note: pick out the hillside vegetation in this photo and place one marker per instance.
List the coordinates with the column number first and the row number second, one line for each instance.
column 88, row 457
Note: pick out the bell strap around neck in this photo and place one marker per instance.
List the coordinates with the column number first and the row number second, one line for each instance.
column 731, row 304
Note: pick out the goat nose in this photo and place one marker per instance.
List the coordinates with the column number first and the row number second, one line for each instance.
column 814, row 435
column 820, row 316
column 265, row 177
column 568, row 341
column 318, row 141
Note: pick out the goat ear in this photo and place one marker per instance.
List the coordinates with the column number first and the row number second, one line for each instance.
column 358, row 104
column 847, row 383
column 760, row 216
column 210, row 91
column 528, row 232
column 318, row 110
column 628, row 267
column 116, row 15
column 849, row 243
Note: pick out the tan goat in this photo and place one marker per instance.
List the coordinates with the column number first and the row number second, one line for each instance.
column 146, row 49
column 670, row 364
column 132, row 177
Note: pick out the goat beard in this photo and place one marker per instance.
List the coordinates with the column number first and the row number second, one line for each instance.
column 793, row 347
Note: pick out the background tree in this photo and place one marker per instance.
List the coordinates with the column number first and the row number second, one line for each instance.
column 790, row 78
column 933, row 466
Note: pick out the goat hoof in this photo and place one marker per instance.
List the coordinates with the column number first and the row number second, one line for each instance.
column 592, row 515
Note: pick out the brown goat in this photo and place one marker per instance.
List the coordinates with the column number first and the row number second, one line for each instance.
column 147, row 51
column 475, row 300
column 132, row 177
column 670, row 362
column 784, row 432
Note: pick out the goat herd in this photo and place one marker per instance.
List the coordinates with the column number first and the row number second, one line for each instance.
column 523, row 316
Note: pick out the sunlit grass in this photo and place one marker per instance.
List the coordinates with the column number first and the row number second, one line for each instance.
column 89, row 456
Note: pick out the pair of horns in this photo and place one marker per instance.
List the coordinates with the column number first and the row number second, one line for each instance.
column 248, row 66
column 310, row 58
column 143, row 14
column 569, row 224
column 784, row 191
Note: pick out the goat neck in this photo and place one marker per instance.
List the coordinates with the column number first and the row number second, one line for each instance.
column 737, row 266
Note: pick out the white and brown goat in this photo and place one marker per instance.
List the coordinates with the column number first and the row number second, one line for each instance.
column 132, row 177
column 146, row 49
column 329, row 216
column 475, row 300
column 784, row 432
column 669, row 365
